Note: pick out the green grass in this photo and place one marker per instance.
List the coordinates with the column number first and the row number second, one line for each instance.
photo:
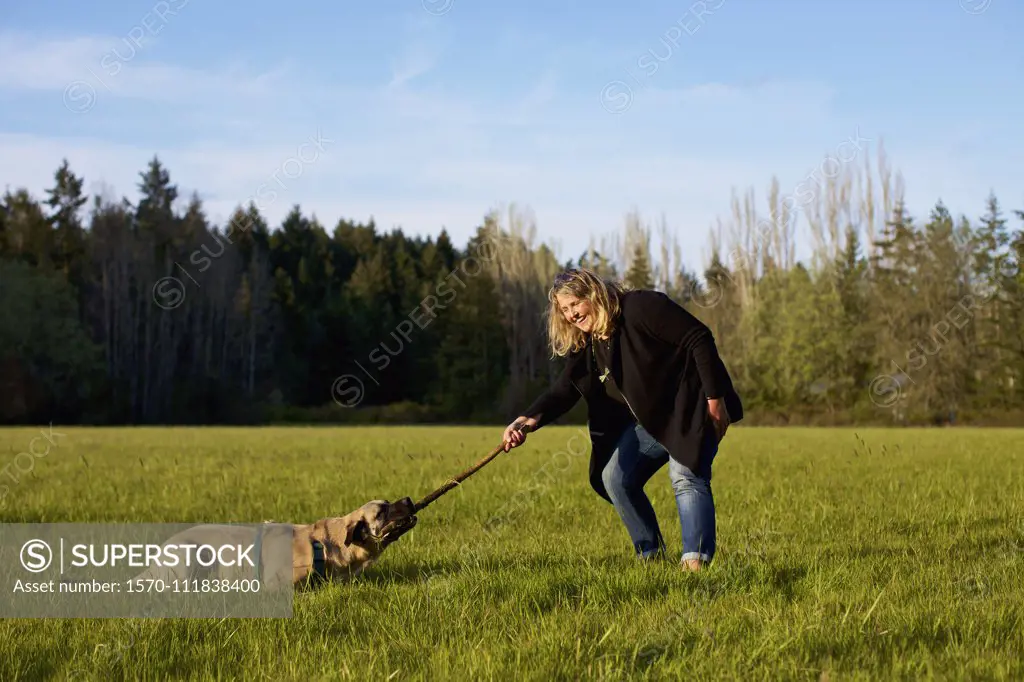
column 843, row 554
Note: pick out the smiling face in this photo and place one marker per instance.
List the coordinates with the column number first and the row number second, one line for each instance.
column 581, row 305
column 577, row 311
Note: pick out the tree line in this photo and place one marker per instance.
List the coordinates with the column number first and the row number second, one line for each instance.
column 120, row 312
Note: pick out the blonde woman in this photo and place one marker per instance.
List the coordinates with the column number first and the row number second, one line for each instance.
column 656, row 392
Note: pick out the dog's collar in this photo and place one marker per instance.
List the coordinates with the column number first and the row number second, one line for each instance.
column 319, row 559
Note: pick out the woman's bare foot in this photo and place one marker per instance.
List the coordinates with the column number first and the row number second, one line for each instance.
column 691, row 564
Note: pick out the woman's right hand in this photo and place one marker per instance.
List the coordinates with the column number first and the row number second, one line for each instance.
column 515, row 433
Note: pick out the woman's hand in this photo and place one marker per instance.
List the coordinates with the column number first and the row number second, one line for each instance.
column 719, row 415
column 515, row 433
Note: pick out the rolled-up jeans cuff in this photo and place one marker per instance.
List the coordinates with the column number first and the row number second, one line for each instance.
column 703, row 556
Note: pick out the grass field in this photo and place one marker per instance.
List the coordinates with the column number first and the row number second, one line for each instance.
column 843, row 554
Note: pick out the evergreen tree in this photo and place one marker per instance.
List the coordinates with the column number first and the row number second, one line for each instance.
column 639, row 275
column 161, row 317
column 65, row 200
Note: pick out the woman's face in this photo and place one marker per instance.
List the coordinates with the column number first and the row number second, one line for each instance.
column 577, row 311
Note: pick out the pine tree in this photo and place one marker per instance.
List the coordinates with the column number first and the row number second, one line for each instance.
column 65, row 201
column 639, row 275
column 853, row 289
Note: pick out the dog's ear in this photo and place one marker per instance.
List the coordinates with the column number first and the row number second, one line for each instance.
column 356, row 531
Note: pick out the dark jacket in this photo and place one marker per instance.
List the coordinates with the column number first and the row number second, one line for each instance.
column 666, row 365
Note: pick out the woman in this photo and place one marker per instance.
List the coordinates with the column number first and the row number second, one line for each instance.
column 656, row 392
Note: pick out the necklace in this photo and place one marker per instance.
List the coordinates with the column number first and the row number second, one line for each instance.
column 593, row 350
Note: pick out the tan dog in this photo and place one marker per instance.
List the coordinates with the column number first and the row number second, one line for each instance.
column 329, row 550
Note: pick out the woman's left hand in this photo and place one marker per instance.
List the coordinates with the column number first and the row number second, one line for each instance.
column 719, row 415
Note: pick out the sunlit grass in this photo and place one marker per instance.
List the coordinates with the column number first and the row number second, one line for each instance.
column 843, row 554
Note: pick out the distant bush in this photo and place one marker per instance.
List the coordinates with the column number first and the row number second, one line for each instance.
column 407, row 412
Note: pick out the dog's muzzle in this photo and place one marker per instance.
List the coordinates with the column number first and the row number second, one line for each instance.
column 401, row 519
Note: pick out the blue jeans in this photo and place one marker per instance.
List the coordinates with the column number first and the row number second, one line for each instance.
column 636, row 458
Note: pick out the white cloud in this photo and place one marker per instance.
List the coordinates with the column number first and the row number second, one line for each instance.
column 801, row 100
column 109, row 68
column 227, row 175
column 543, row 93
column 29, row 64
column 564, row 197
column 422, row 46
column 415, row 62
column 421, row 192
column 425, row 157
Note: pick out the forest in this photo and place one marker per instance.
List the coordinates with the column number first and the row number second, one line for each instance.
column 143, row 312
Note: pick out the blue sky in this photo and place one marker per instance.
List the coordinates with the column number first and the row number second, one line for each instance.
column 431, row 113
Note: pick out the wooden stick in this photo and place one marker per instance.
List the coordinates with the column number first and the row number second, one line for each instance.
column 448, row 485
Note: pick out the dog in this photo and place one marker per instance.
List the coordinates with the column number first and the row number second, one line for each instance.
column 334, row 549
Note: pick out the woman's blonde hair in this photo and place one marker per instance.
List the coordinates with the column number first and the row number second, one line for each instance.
column 602, row 294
